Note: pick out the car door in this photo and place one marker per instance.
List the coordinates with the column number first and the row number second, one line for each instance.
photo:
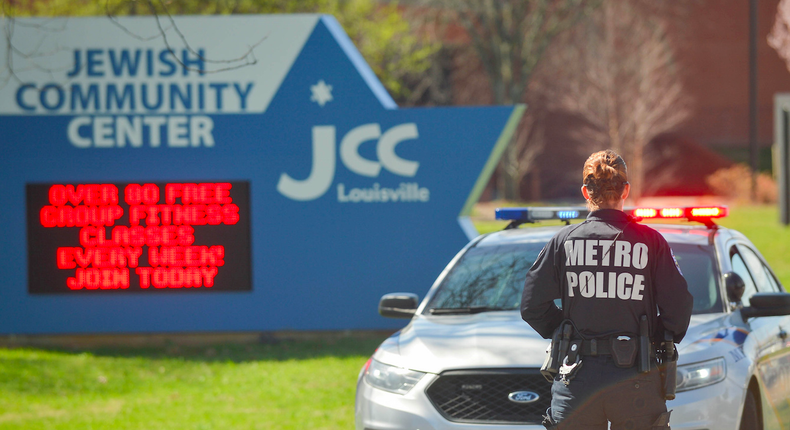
column 770, row 333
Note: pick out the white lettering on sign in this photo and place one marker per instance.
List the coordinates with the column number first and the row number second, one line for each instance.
column 178, row 131
column 406, row 192
column 131, row 113
column 322, row 173
column 116, row 86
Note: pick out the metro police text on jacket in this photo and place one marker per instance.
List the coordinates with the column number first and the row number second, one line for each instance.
column 592, row 268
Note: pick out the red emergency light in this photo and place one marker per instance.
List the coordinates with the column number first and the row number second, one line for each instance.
column 703, row 214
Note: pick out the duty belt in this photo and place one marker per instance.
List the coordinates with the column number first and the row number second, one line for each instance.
column 596, row 347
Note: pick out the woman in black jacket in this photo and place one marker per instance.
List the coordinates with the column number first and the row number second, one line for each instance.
column 610, row 273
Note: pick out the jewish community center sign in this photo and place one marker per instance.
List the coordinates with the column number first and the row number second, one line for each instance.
column 235, row 173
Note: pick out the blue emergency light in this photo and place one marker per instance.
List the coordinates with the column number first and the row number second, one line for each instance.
column 519, row 216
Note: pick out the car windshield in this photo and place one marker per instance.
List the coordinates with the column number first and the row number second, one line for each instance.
column 491, row 278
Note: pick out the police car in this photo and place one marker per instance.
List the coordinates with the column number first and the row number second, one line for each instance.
column 466, row 360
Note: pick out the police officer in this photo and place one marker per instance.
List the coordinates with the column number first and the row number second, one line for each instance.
column 611, row 273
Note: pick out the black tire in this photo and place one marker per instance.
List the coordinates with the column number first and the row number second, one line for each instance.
column 750, row 420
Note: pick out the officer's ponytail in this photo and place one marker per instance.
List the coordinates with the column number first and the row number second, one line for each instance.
column 605, row 176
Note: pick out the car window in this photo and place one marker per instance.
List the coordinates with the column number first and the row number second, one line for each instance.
column 762, row 279
column 774, row 284
column 488, row 276
column 739, row 267
column 697, row 264
column 493, row 276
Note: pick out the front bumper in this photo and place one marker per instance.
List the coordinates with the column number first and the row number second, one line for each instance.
column 716, row 407
column 380, row 410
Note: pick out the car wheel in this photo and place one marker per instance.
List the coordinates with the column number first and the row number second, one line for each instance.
column 749, row 419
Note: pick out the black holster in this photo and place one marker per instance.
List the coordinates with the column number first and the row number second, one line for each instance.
column 557, row 351
column 644, row 346
column 668, row 366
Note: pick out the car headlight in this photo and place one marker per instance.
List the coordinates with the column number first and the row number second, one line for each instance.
column 390, row 378
column 697, row 375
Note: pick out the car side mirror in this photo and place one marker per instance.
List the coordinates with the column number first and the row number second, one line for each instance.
column 398, row 305
column 735, row 286
column 767, row 305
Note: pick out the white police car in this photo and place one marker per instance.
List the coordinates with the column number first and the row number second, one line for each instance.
column 466, row 360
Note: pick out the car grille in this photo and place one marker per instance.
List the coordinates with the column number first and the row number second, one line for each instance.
column 481, row 396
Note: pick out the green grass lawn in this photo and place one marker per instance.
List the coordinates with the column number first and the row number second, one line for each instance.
column 288, row 385
column 761, row 225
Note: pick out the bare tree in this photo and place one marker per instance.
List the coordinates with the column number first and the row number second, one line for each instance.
column 509, row 37
column 618, row 72
column 383, row 36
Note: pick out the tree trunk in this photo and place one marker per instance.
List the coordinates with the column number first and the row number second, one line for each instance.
column 535, row 184
column 636, row 172
column 511, row 171
column 611, row 96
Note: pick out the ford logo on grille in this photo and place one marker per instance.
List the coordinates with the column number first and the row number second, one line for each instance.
column 523, row 397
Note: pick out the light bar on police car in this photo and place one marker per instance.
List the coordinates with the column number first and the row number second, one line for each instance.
column 541, row 214
column 692, row 213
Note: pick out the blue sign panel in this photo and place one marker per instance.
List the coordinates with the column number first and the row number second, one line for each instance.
column 253, row 176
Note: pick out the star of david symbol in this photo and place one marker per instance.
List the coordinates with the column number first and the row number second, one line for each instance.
column 322, row 93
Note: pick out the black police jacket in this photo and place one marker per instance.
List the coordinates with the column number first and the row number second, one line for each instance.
column 608, row 271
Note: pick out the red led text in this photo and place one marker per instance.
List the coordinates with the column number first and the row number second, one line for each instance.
column 176, row 277
column 198, row 214
column 105, row 279
column 139, row 236
column 79, row 216
column 71, row 257
column 92, row 195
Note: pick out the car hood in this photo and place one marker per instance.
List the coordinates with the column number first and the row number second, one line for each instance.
column 491, row 340
column 702, row 326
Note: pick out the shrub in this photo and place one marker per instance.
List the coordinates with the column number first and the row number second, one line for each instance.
column 735, row 183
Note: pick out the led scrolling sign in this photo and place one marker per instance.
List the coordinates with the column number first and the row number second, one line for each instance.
column 138, row 237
